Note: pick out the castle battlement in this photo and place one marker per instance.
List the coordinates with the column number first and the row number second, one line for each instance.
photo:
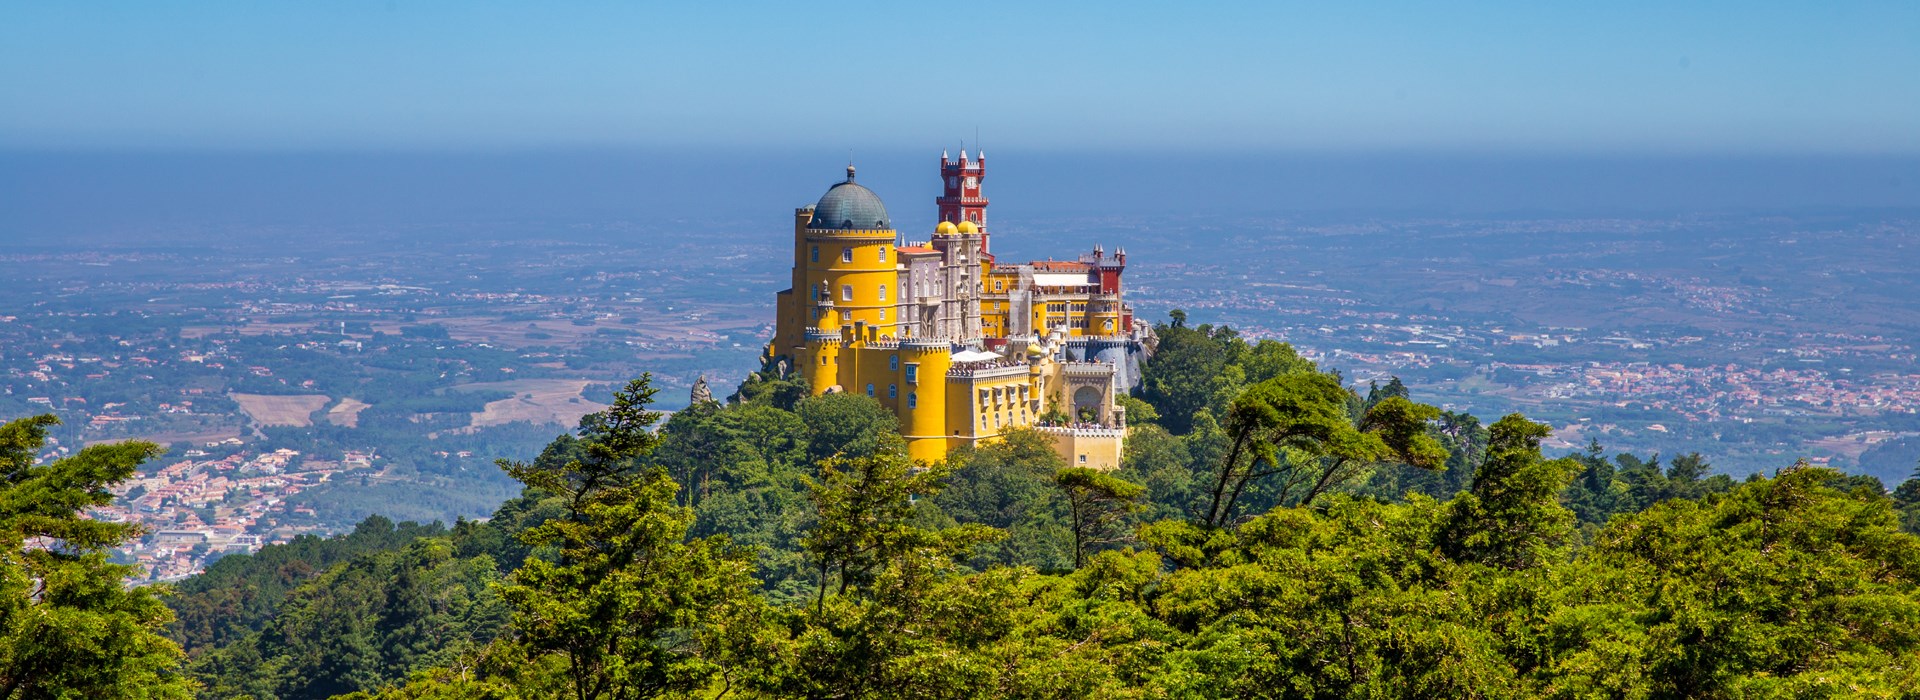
column 981, row 372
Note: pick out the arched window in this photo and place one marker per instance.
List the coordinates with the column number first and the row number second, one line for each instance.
column 883, row 253
column 913, row 399
column 883, row 292
column 893, row 391
column 893, row 363
column 869, row 389
column 846, row 255
column 816, row 254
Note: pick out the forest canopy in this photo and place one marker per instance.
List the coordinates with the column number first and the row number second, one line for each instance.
column 1272, row 532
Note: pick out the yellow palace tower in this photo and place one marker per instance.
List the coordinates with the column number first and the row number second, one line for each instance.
column 962, row 348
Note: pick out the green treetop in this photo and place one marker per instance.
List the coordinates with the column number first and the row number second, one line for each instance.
column 69, row 625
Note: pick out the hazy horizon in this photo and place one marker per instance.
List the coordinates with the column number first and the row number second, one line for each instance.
column 99, row 195
column 140, row 119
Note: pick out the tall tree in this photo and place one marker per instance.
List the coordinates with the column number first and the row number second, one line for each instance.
column 1512, row 517
column 864, row 523
column 1299, row 427
column 69, row 625
column 615, row 588
column 1097, row 503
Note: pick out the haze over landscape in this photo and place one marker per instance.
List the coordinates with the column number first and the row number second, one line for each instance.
column 340, row 258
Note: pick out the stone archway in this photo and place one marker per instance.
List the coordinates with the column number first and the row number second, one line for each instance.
column 1087, row 401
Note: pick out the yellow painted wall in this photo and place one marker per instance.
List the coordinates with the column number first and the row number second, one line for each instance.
column 925, row 425
column 872, row 267
column 971, row 420
column 1090, row 451
column 821, row 365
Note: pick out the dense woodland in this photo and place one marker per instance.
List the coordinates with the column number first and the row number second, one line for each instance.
column 1272, row 533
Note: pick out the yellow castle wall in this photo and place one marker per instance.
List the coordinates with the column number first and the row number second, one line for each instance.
column 1093, row 451
column 870, row 271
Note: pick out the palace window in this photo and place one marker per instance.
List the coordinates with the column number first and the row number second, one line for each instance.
column 846, row 292
column 883, row 314
column 883, row 292
column 999, row 285
column 816, row 254
column 883, row 253
column 913, row 373
column 893, row 363
column 893, row 391
column 913, row 399
column 846, row 255
column 869, row 390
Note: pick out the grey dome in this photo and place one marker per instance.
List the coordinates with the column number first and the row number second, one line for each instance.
column 849, row 206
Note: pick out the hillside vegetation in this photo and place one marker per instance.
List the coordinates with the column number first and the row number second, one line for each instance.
column 1272, row 533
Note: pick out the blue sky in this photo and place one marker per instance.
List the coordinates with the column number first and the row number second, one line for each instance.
column 1522, row 77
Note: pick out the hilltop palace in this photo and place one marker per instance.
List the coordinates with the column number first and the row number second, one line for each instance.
column 962, row 347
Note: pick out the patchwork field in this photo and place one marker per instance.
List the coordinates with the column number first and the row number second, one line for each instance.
column 538, row 401
column 347, row 412
column 294, row 410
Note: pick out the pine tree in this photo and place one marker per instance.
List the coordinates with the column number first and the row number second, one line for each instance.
column 69, row 625
column 615, row 588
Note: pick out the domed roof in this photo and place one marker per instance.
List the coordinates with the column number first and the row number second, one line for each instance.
column 850, row 207
column 945, row 227
column 968, row 227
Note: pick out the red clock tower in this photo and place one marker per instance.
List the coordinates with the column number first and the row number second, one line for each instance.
column 962, row 200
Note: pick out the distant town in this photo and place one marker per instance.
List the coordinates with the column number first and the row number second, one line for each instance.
column 300, row 390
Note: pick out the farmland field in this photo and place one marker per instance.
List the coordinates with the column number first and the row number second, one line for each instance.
column 347, row 412
column 290, row 410
column 538, row 401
